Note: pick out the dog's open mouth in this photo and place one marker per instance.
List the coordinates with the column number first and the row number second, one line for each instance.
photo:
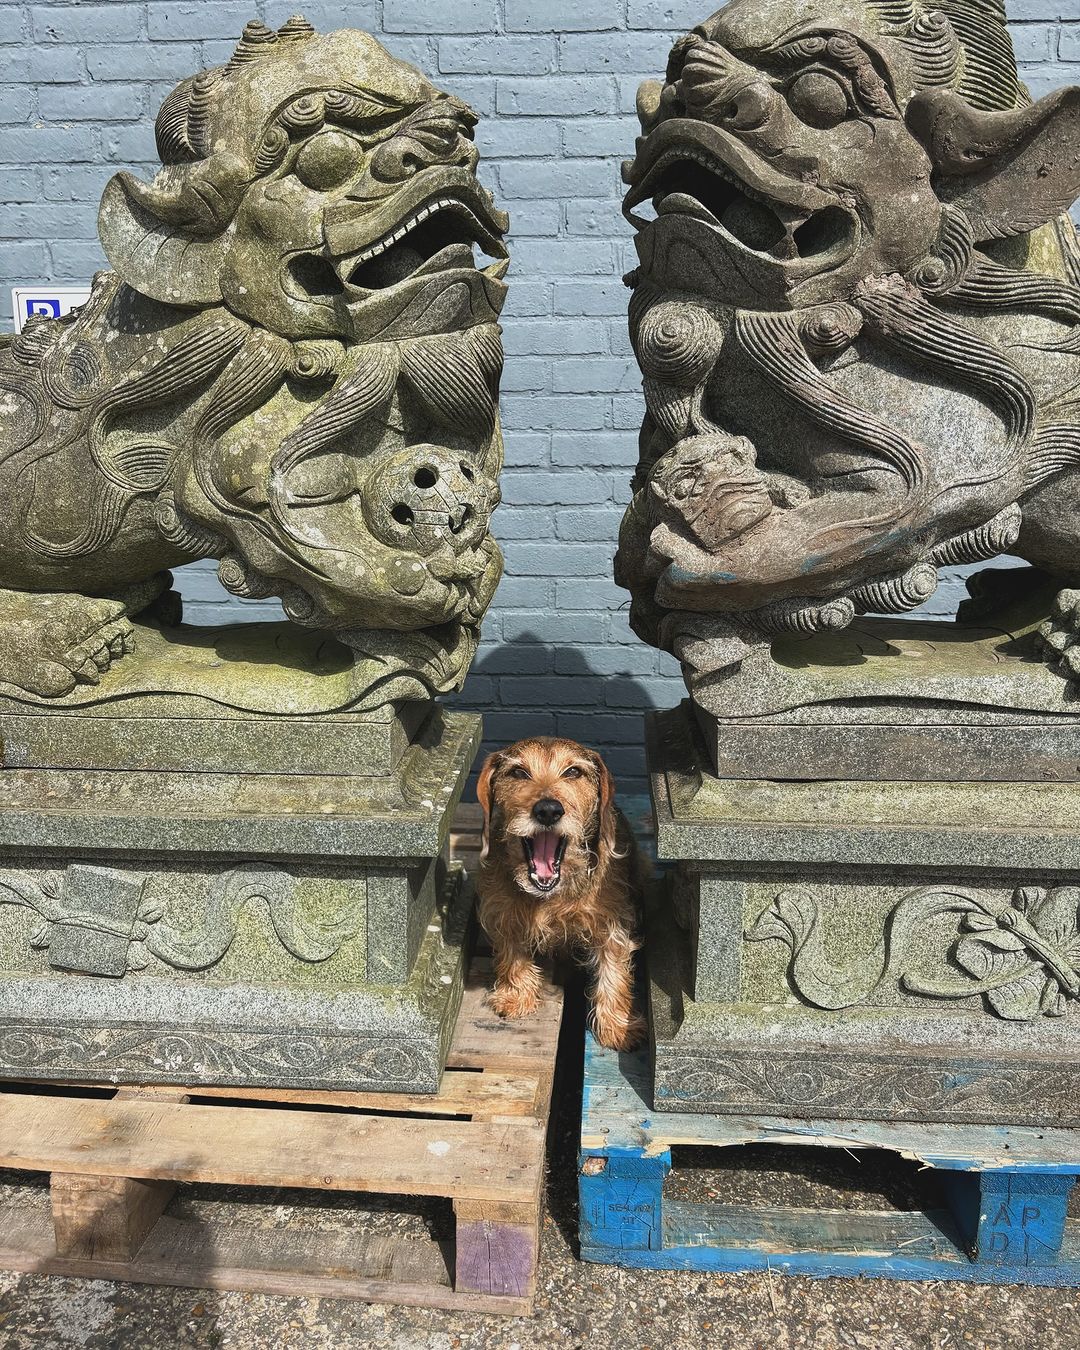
column 544, row 854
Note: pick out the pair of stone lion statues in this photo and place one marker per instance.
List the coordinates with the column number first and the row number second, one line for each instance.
column 856, row 314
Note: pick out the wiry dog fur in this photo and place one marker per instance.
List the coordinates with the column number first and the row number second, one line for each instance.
column 560, row 873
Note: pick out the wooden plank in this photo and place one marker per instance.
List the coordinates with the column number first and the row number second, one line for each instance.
column 463, row 1093
column 483, row 1040
column 104, row 1218
column 617, row 1113
column 109, row 1218
column 247, row 1146
column 782, row 1229
column 796, row 1242
column 809, row 1249
column 497, row 1248
column 209, row 1254
column 469, row 816
column 168, row 1092
column 465, row 836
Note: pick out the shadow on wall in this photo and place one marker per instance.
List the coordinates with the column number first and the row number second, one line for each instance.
column 513, row 688
column 523, row 685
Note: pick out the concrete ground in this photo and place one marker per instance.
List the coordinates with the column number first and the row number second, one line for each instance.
column 589, row 1306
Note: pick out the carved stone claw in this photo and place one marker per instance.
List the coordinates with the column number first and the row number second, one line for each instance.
column 55, row 641
column 1059, row 635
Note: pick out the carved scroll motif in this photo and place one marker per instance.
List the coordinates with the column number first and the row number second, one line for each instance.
column 97, row 920
column 1022, row 955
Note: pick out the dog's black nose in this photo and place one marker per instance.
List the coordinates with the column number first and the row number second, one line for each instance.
column 548, row 812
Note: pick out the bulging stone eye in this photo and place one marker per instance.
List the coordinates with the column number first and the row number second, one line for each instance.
column 327, row 160
column 819, row 99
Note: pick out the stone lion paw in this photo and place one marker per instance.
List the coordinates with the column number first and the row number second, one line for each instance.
column 1059, row 635
column 55, row 642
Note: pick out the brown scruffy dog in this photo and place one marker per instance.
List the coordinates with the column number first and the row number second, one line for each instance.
column 560, row 872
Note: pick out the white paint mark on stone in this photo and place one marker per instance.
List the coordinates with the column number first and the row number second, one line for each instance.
column 439, row 1147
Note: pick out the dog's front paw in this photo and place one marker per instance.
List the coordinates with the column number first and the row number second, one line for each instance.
column 622, row 1035
column 513, row 1003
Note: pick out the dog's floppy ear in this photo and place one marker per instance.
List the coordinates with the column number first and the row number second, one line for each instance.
column 608, row 816
column 483, row 796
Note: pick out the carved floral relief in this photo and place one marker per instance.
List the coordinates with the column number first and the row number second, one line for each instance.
column 1021, row 954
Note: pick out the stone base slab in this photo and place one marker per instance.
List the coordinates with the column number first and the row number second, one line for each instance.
column 885, row 744
column 235, row 929
column 246, row 698
column 875, row 951
column 855, row 1065
column 903, row 699
column 74, row 1028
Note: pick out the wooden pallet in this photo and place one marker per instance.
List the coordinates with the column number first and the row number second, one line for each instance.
column 1006, row 1190
column 114, row 1162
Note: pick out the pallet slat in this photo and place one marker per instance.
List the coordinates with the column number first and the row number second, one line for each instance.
column 482, row 1038
column 109, row 1218
column 212, row 1255
column 785, row 1230
column 617, row 1113
column 245, row 1146
column 462, row 1093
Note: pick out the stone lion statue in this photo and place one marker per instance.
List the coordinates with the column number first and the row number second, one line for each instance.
column 293, row 368
column 856, row 317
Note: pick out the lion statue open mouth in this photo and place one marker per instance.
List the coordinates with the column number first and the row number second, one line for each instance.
column 293, row 368
column 856, row 317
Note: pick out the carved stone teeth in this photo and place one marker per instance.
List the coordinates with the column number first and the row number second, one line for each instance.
column 388, row 240
column 715, row 167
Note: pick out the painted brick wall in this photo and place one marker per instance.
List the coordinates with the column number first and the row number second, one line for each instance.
column 554, row 83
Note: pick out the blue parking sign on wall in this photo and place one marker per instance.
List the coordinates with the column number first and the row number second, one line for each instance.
column 50, row 302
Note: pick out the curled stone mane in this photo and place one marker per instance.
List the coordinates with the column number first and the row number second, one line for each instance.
column 986, row 64
column 856, row 314
column 292, row 368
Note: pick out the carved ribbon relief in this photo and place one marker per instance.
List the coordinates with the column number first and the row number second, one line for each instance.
column 98, row 920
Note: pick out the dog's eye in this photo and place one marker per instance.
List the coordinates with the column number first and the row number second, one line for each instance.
column 518, row 772
column 572, row 772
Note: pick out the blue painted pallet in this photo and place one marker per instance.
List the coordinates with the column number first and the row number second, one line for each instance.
column 1007, row 1189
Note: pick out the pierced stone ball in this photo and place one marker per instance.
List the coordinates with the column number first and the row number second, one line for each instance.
column 427, row 497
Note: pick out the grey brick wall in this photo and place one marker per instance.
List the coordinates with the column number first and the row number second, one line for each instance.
column 554, row 82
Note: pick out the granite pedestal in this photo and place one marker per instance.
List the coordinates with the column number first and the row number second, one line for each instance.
column 903, row 699
column 900, row 950
column 193, row 892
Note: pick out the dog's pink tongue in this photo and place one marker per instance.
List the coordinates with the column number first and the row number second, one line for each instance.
column 544, row 849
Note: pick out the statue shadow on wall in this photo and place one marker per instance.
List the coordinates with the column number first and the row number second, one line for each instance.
column 533, row 695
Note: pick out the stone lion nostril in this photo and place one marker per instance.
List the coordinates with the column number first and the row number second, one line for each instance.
column 547, row 811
